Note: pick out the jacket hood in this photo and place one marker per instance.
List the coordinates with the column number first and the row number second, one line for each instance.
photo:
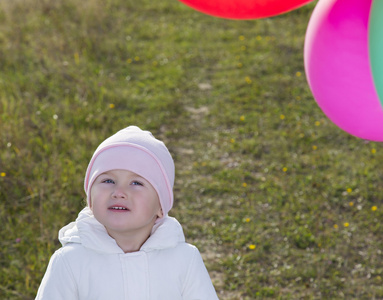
column 86, row 230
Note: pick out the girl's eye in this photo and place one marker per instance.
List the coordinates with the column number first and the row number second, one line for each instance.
column 136, row 183
column 108, row 181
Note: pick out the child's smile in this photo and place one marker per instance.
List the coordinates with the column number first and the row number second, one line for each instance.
column 119, row 208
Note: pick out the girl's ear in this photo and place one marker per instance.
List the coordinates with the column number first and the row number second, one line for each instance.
column 90, row 199
column 90, row 203
column 160, row 213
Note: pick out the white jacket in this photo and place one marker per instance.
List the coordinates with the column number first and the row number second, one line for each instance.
column 91, row 265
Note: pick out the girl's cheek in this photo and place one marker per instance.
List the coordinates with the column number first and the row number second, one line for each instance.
column 102, row 187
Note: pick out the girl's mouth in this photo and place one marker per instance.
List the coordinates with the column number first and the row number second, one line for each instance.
column 118, row 208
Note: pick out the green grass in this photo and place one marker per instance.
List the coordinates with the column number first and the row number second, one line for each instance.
column 277, row 198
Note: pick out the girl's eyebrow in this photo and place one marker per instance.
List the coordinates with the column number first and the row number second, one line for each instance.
column 105, row 174
column 131, row 176
column 138, row 177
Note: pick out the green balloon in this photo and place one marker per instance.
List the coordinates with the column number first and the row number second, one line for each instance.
column 375, row 37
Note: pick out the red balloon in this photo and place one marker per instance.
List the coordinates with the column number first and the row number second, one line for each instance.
column 244, row 9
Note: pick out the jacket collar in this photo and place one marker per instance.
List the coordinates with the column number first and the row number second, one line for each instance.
column 86, row 230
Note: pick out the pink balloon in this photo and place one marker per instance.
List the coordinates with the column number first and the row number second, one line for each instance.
column 338, row 69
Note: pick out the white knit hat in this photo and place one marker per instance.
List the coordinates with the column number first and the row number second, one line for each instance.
column 137, row 151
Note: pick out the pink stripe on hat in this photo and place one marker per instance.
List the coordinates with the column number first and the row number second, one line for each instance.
column 137, row 151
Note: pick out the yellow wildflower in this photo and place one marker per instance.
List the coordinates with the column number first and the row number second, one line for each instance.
column 3, row 174
column 346, row 224
column 374, row 208
column 373, row 150
column 252, row 247
column 111, row 105
column 351, row 203
column 242, row 118
column 76, row 58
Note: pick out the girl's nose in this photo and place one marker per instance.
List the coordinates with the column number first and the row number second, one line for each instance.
column 119, row 193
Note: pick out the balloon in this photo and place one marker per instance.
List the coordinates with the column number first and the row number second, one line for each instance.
column 376, row 45
column 244, row 9
column 338, row 68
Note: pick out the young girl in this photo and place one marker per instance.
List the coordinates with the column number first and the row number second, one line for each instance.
column 124, row 245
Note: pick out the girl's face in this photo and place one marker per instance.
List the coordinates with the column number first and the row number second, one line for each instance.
column 124, row 202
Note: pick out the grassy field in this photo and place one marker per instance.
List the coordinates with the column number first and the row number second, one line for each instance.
column 281, row 203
